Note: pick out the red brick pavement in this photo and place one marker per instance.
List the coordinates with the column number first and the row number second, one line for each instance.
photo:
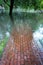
column 22, row 50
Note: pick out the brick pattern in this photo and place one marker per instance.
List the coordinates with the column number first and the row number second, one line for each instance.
column 22, row 50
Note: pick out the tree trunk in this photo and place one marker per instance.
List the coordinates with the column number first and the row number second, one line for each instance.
column 11, row 7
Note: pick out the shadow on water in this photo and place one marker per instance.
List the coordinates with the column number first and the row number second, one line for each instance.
column 34, row 20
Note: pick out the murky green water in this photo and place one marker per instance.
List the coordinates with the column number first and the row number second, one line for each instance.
column 34, row 20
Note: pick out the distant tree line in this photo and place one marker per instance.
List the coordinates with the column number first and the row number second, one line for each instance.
column 36, row 4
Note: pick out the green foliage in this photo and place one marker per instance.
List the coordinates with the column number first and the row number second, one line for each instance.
column 2, row 45
column 41, row 5
column 36, row 4
column 1, row 1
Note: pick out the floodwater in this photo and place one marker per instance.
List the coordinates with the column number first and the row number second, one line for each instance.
column 35, row 20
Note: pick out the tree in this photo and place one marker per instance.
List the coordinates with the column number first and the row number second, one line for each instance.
column 24, row 3
column 11, row 7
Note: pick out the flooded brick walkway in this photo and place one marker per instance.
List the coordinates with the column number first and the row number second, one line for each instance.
column 21, row 49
